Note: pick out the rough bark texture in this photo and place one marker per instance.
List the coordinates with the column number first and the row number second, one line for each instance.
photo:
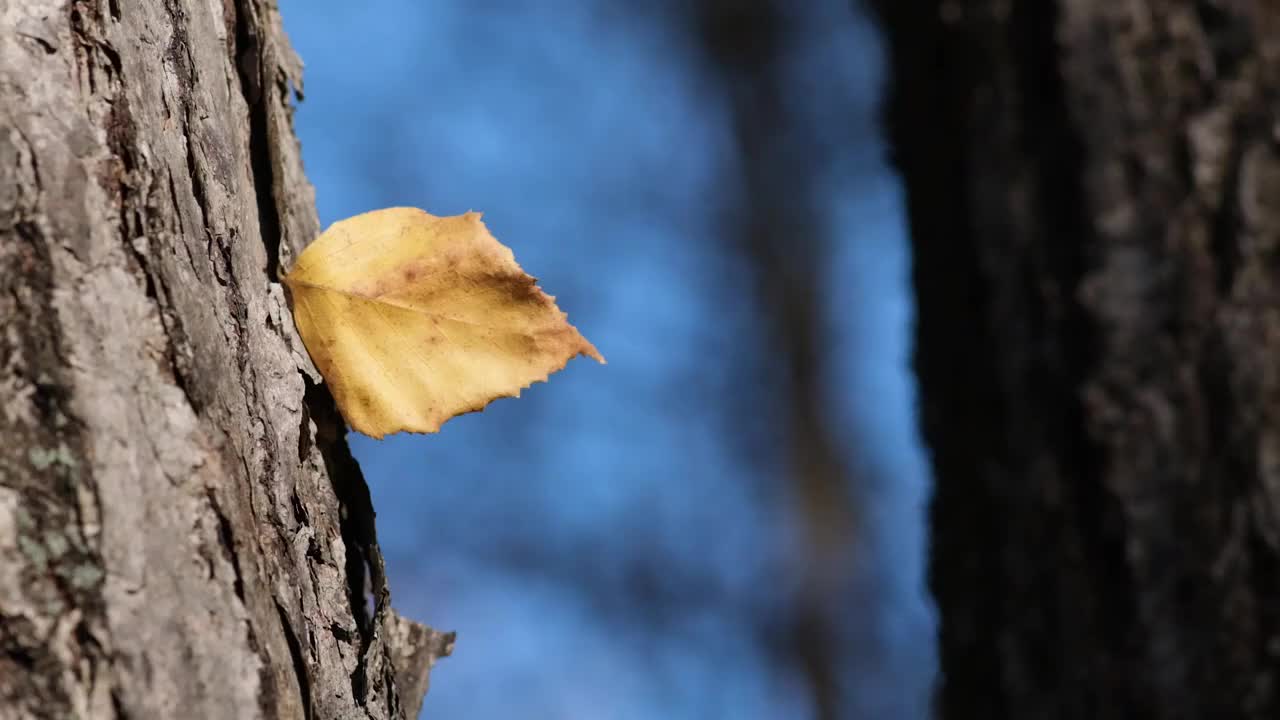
column 183, row 532
column 1094, row 199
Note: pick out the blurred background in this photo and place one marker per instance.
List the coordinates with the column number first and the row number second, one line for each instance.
column 728, row 519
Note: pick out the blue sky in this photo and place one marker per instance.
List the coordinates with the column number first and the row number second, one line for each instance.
column 603, row 546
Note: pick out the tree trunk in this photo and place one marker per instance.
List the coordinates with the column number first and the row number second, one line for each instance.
column 183, row 532
column 1094, row 199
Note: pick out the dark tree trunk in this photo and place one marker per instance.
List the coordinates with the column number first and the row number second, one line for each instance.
column 183, row 532
column 1094, row 199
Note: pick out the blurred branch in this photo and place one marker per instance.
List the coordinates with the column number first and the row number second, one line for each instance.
column 744, row 43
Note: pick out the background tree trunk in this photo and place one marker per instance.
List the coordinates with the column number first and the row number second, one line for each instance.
column 1094, row 198
column 183, row 532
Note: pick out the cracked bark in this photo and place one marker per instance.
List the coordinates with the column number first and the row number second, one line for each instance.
column 1092, row 191
column 183, row 532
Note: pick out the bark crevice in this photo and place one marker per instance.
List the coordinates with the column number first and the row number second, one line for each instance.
column 255, row 80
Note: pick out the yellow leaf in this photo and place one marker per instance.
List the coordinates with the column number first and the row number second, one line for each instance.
column 413, row 319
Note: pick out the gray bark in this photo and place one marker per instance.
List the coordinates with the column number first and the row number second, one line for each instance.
column 183, row 532
column 1094, row 197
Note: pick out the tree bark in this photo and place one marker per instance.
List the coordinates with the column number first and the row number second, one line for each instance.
column 1093, row 193
column 183, row 532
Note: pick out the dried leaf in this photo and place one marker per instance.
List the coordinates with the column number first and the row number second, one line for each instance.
column 413, row 319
